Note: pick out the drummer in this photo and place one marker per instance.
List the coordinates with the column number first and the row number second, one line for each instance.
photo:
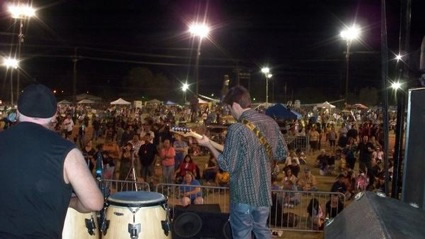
column 39, row 169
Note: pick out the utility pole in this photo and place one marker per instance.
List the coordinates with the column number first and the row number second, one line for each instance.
column 74, row 81
column 20, row 41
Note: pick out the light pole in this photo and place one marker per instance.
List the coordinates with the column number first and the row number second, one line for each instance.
column 349, row 34
column 267, row 75
column 13, row 64
column 185, row 87
column 20, row 12
column 200, row 30
column 399, row 132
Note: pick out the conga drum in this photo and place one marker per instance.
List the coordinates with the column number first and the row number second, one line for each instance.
column 142, row 215
column 80, row 225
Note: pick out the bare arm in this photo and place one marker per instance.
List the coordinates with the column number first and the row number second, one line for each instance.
column 89, row 198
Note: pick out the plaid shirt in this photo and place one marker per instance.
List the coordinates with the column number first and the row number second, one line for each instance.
column 245, row 158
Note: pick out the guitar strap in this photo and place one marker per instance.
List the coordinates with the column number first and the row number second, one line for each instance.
column 260, row 137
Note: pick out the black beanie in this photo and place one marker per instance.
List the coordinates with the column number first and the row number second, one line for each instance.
column 37, row 101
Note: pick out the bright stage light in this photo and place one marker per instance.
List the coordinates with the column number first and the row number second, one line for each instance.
column 10, row 62
column 351, row 33
column 21, row 11
column 199, row 29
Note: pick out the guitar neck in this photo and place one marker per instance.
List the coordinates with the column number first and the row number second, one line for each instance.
column 216, row 145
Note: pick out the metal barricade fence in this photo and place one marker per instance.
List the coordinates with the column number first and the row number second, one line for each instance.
column 113, row 186
column 297, row 142
column 302, row 210
column 209, row 194
column 290, row 211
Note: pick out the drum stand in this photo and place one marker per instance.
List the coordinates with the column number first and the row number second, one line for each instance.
column 131, row 175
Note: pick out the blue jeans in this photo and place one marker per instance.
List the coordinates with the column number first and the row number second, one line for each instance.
column 245, row 219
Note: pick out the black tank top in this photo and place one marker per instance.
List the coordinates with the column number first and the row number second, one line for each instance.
column 34, row 197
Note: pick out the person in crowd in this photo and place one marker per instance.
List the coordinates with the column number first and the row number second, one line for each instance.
column 339, row 185
column 67, row 126
column 289, row 177
column 291, row 197
column 248, row 164
column 365, row 149
column 362, row 182
column 332, row 137
column 314, row 139
column 322, row 162
column 167, row 154
column 350, row 151
column 380, row 182
column 342, row 160
column 334, row 206
column 294, row 167
column 146, row 157
column 210, row 170
column 301, row 157
column 292, row 156
column 222, row 178
column 353, row 132
column 127, row 135
column 316, row 215
column 126, row 159
column 276, row 169
column 39, row 171
column 190, row 193
column 187, row 166
column 373, row 173
column 96, row 127
column 181, row 148
column 307, row 181
column 89, row 153
column 111, row 154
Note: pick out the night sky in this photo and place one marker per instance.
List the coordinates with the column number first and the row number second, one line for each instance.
column 299, row 40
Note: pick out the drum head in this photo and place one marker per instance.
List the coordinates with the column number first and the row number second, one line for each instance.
column 136, row 199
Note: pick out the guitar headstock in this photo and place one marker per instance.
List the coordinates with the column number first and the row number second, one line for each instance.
column 183, row 131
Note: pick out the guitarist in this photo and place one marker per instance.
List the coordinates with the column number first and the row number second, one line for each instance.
column 249, row 163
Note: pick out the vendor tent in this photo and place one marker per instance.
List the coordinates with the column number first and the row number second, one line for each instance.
column 120, row 101
column 86, row 101
column 360, row 106
column 201, row 101
column 279, row 111
column 170, row 103
column 88, row 97
column 325, row 105
column 64, row 102
column 153, row 102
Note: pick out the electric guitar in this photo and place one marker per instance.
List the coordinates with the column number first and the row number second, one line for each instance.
column 186, row 132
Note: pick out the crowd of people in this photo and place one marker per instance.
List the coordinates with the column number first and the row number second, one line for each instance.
column 142, row 139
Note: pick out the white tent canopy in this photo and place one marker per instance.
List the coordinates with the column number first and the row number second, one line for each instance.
column 154, row 101
column 64, row 102
column 326, row 105
column 88, row 97
column 120, row 101
column 86, row 101
column 201, row 101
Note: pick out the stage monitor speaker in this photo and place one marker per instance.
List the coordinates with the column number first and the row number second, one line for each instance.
column 373, row 216
column 413, row 190
column 200, row 221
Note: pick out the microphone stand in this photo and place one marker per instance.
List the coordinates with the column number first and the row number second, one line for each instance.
column 103, row 188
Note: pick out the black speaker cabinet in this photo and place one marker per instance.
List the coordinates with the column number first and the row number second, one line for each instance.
column 373, row 216
column 413, row 190
column 200, row 221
